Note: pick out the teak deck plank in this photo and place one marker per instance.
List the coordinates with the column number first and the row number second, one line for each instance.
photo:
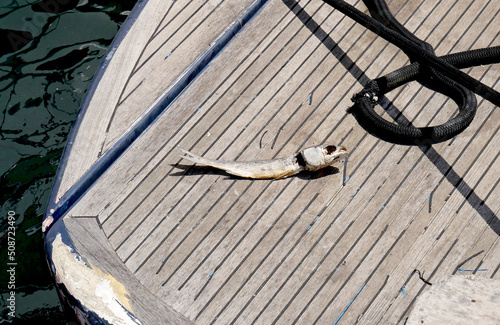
column 91, row 242
column 145, row 69
column 220, row 249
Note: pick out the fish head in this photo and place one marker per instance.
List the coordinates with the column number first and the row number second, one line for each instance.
column 323, row 156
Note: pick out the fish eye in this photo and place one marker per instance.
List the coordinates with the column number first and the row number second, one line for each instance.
column 330, row 149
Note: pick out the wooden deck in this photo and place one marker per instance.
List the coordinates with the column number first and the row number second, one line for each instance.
column 166, row 38
column 224, row 250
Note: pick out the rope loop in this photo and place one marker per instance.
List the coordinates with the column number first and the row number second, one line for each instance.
column 440, row 74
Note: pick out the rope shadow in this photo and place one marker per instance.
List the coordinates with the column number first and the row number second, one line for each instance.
column 434, row 157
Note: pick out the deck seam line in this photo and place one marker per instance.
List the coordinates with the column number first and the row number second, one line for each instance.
column 245, row 235
column 156, row 51
column 135, row 65
column 199, row 179
column 205, row 113
column 264, row 235
column 208, row 233
column 124, row 142
column 222, row 238
column 276, row 244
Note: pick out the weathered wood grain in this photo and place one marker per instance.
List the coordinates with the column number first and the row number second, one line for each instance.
column 226, row 250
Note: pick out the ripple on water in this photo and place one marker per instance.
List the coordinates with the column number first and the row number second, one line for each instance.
column 49, row 52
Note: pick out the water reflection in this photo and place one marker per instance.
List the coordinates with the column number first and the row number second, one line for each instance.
column 54, row 6
column 50, row 50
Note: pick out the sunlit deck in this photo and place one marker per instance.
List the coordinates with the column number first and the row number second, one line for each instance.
column 192, row 244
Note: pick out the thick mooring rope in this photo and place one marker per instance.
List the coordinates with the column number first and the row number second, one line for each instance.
column 440, row 74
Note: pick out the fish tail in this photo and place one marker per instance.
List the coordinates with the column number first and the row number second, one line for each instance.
column 194, row 158
column 230, row 167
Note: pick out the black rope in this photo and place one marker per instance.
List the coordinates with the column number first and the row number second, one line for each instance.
column 440, row 74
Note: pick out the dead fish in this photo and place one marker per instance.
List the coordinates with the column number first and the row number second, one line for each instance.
column 311, row 159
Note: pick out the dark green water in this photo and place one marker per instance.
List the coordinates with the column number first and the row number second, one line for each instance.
column 49, row 52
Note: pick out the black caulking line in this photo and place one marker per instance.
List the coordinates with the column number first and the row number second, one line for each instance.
column 188, row 233
column 207, row 234
column 466, row 260
column 121, row 145
column 188, row 190
column 441, row 234
column 250, row 275
column 495, row 272
column 252, row 101
column 84, row 217
column 410, row 305
column 303, row 259
column 228, row 278
column 260, row 143
column 477, row 268
column 242, row 215
column 376, row 295
column 187, row 255
column 205, row 113
column 276, row 138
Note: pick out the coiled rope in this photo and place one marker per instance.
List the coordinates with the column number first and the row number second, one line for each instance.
column 440, row 74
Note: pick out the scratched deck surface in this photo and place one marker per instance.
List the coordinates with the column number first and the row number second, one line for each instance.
column 166, row 38
column 301, row 250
